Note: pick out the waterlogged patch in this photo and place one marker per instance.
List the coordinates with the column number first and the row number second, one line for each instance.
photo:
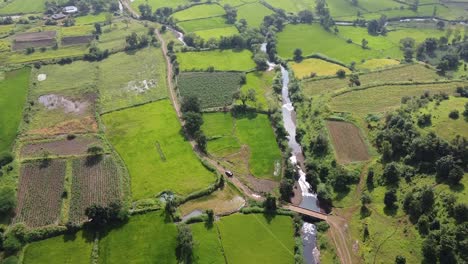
column 41, row 77
column 141, row 86
column 53, row 101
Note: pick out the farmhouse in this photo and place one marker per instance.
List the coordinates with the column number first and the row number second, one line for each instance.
column 70, row 10
column 58, row 16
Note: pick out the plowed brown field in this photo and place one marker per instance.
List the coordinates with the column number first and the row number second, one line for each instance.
column 347, row 141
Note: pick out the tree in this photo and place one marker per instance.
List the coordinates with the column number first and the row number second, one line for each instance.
column 443, row 167
column 190, row 104
column 460, row 213
column 132, row 41
column 305, row 16
column 408, row 54
column 373, row 27
column 455, row 175
column 270, row 203
column 341, row 73
column 454, row 114
column 184, row 244
column 260, row 60
column 390, row 198
column 365, row 198
column 100, row 216
column 400, row 260
column 7, row 200
column 210, row 219
column 201, row 140
column 364, row 43
column 231, row 14
column 192, row 122
column 440, row 25
column 286, row 189
column 298, row 55
column 354, row 80
column 97, row 27
column 244, row 97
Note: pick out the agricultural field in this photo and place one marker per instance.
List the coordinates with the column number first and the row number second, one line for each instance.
column 384, row 98
column 347, row 142
column 60, row 146
column 13, row 93
column 144, row 239
column 215, row 89
column 253, row 13
column 221, row 60
column 91, row 19
column 217, row 33
column 293, row 6
column 261, row 83
column 113, row 36
column 156, row 4
column 198, row 12
column 207, row 245
column 70, row 248
column 257, row 238
column 40, row 192
column 96, row 180
column 22, row 7
column 149, row 141
column 317, row 67
column 203, row 24
column 375, row 64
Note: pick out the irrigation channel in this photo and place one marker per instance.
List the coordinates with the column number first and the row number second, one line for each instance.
column 309, row 199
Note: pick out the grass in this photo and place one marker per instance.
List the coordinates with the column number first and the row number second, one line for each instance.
column 49, row 54
column 23, row 7
column 373, row 6
column 442, row 124
column 199, row 11
column 293, row 5
column 384, row 98
column 74, row 248
column 13, row 93
column 155, row 4
column 261, row 82
column 256, row 238
column 254, row 131
column 147, row 238
column 221, row 60
column 341, row 8
column 78, row 30
column 203, row 24
column 253, row 13
column 136, row 132
column 207, row 245
column 374, row 64
column 305, row 37
column 215, row 89
column 306, row 67
column 91, row 19
column 113, row 37
column 217, row 33
column 128, row 79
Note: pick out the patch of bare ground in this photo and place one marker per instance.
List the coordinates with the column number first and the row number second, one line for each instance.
column 76, row 40
column 75, row 126
column 53, row 101
column 60, row 146
column 347, row 142
column 34, row 40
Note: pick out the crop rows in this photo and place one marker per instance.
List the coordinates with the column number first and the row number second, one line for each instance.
column 93, row 183
column 40, row 191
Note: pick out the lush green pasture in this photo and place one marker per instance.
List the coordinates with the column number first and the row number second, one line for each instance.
column 306, row 67
column 199, row 11
column 253, row 13
column 91, row 19
column 49, row 54
column 261, row 82
column 415, row 72
column 13, row 93
column 74, row 248
column 146, row 238
column 372, row 6
column 384, row 98
column 221, row 60
column 113, row 37
column 203, row 24
column 253, row 131
column 78, row 30
column 293, row 5
column 207, row 245
column 129, row 79
column 442, row 124
column 215, row 89
column 217, row 33
column 157, row 156
column 374, row 64
column 155, row 4
column 341, row 8
column 256, row 238
column 23, row 7
column 306, row 38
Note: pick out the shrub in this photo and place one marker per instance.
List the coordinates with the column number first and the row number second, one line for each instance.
column 11, row 260
column 7, row 200
column 454, row 114
column 11, row 244
column 340, row 73
column 5, row 158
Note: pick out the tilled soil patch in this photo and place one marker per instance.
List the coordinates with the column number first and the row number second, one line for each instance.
column 76, row 40
column 60, row 147
column 347, row 142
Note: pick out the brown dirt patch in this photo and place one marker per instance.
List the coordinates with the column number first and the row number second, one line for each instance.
column 347, row 142
column 40, row 192
column 58, row 147
column 74, row 126
column 34, row 40
column 76, row 40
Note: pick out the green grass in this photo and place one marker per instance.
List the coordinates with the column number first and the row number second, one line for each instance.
column 13, row 93
column 253, row 13
column 155, row 4
column 199, row 11
column 122, row 79
column 203, row 24
column 293, row 5
column 74, row 248
column 23, row 7
column 207, row 245
column 372, row 6
column 442, row 124
column 341, row 8
column 113, row 37
column 78, row 30
column 374, row 64
column 135, row 134
column 217, row 33
column 91, row 19
column 215, row 89
column 384, row 98
column 261, row 82
column 221, row 60
column 49, row 54
column 147, row 238
column 255, row 131
column 255, row 238
column 317, row 66
column 305, row 37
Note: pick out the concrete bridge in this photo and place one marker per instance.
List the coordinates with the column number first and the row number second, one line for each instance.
column 307, row 212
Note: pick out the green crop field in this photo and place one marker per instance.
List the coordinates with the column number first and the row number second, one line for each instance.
column 78, row 30
column 155, row 4
column 253, row 13
column 306, row 67
column 130, row 79
column 23, row 7
column 229, row 133
column 113, row 37
column 13, row 93
column 254, row 238
column 49, row 54
column 146, row 238
column 373, row 6
column 261, row 82
column 72, row 248
column 199, row 11
column 217, row 33
column 215, row 89
column 221, row 60
column 384, row 98
column 374, row 64
column 157, row 156
column 342, row 8
column 293, row 5
column 207, row 245
column 91, row 19
column 203, row 24
column 305, row 36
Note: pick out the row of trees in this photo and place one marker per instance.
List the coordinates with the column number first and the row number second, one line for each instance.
column 193, row 121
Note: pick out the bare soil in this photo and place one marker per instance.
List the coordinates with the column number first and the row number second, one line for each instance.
column 33, row 44
column 59, row 147
column 35, row 36
column 347, row 141
column 53, row 101
column 76, row 40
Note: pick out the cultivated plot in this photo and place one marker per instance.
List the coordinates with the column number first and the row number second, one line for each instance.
column 221, row 60
column 199, row 11
column 261, row 83
column 347, row 142
column 207, row 245
column 58, row 147
column 253, row 13
column 315, row 67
